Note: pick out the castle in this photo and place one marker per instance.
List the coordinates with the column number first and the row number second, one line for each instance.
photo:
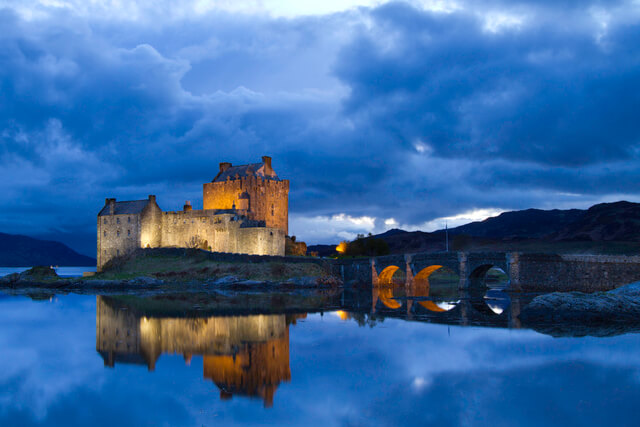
column 242, row 355
column 246, row 210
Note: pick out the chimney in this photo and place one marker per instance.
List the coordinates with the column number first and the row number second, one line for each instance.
column 112, row 206
column 268, row 170
column 187, row 206
column 224, row 166
column 152, row 198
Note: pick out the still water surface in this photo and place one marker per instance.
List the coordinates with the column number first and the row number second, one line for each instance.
column 94, row 360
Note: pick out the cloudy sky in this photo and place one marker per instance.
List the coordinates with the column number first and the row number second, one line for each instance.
column 382, row 114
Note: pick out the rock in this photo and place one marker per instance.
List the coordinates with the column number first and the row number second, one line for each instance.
column 41, row 271
column 303, row 281
column 621, row 305
column 98, row 283
column 226, row 280
column 146, row 281
column 331, row 281
column 630, row 290
column 35, row 275
column 315, row 281
column 10, row 279
column 250, row 282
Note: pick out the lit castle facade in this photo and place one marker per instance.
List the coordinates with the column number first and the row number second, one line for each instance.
column 246, row 210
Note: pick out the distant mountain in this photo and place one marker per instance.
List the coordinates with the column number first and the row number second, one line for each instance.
column 392, row 232
column 23, row 251
column 619, row 221
column 530, row 223
column 572, row 230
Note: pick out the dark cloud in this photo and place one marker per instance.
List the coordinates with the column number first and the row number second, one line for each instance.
column 546, row 93
column 387, row 112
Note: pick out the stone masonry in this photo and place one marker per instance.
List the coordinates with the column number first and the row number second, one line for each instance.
column 254, row 190
column 255, row 222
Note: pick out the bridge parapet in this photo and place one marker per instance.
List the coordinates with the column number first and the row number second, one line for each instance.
column 527, row 271
column 586, row 273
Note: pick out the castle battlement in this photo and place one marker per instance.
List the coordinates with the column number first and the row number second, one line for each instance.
column 245, row 211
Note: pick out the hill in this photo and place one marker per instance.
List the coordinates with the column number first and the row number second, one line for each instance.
column 530, row 223
column 618, row 221
column 603, row 228
column 24, row 251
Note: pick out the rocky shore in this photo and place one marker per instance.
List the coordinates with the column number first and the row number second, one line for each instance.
column 579, row 314
column 45, row 278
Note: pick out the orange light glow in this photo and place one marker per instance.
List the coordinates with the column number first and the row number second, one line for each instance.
column 342, row 247
column 343, row 315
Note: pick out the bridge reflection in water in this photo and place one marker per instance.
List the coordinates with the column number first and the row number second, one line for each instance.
column 248, row 355
column 245, row 355
column 484, row 302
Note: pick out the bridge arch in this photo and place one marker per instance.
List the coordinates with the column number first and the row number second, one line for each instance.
column 480, row 272
column 426, row 272
column 383, row 292
column 386, row 276
column 432, row 306
column 385, row 296
column 421, row 287
column 488, row 295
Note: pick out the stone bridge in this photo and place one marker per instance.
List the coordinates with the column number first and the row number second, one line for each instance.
column 526, row 271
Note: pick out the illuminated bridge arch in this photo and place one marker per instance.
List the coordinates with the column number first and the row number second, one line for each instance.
column 386, row 276
column 422, row 288
column 384, row 289
column 385, row 296
column 426, row 272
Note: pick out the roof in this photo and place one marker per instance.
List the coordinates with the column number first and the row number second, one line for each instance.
column 127, row 207
column 244, row 171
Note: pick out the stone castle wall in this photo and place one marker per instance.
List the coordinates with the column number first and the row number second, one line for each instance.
column 117, row 331
column 117, row 235
column 151, row 226
column 219, row 233
column 122, row 234
column 255, row 222
column 124, row 332
column 268, row 199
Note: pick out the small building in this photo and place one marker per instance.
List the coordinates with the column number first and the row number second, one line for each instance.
column 245, row 212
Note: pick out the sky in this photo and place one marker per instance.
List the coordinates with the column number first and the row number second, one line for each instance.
column 382, row 114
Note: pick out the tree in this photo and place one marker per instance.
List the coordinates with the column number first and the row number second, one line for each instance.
column 369, row 246
column 196, row 242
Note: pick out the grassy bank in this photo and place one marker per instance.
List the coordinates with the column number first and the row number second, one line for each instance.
column 195, row 265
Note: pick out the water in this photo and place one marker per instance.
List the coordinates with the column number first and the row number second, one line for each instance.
column 62, row 271
column 196, row 360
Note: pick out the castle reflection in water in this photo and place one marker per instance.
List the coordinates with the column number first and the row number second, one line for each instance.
column 245, row 355
column 248, row 355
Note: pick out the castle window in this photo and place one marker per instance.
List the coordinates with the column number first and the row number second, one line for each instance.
column 105, row 221
column 105, row 251
column 129, row 219
column 272, row 210
column 105, row 233
column 118, row 233
column 128, row 232
column 118, row 252
column 117, row 220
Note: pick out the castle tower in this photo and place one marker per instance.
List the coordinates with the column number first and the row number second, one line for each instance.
column 254, row 189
